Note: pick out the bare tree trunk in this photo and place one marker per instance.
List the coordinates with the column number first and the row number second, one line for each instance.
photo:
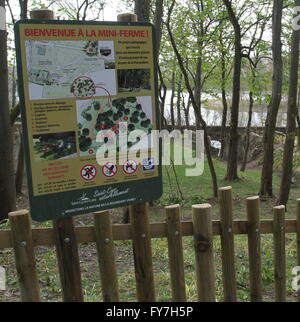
column 298, row 120
column 20, row 168
column 21, row 162
column 186, row 110
column 7, row 182
column 298, row 124
column 178, row 103
column 172, row 99
column 24, row 8
column 232, row 162
column 198, row 76
column 247, row 138
column 162, row 97
column 287, row 162
column 14, row 86
column 225, row 105
column 266, row 186
column 142, row 10
column 200, row 123
column 159, row 11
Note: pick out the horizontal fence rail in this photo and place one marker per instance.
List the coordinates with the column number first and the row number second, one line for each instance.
column 45, row 236
column 23, row 239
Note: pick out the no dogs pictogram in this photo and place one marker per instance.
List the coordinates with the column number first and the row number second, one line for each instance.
column 109, row 169
column 88, row 172
column 130, row 167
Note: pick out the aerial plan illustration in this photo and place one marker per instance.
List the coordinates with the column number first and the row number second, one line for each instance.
column 118, row 116
column 64, row 69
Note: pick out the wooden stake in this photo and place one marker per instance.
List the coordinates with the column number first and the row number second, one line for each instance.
column 254, row 249
column 127, row 17
column 42, row 14
column 24, row 254
column 68, row 260
column 141, row 243
column 175, row 253
column 204, row 257
column 279, row 254
column 106, row 256
column 227, row 244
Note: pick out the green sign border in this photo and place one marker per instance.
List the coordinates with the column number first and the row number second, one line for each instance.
column 52, row 206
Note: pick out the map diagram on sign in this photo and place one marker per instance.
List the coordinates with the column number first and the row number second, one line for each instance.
column 111, row 119
column 65, row 69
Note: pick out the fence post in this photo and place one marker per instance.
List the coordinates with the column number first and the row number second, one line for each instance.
column 298, row 240
column 254, row 249
column 106, row 256
column 66, row 244
column 279, row 254
column 227, row 244
column 175, row 253
column 24, row 255
column 204, row 258
column 68, row 260
column 141, row 243
column 141, row 233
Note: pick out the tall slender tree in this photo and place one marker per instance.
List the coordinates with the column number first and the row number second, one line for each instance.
column 232, row 163
column 178, row 102
column 195, row 101
column 287, row 162
column 142, row 10
column 7, row 182
column 266, row 184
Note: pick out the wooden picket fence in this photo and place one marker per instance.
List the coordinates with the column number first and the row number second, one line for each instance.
column 23, row 238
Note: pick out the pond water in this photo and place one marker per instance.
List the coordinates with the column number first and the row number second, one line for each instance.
column 213, row 117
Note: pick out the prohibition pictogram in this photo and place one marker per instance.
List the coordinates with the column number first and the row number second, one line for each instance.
column 88, row 172
column 109, row 169
column 130, row 167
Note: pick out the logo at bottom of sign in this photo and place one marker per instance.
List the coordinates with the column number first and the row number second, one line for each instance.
column 148, row 164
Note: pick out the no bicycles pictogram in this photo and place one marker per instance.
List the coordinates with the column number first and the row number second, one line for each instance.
column 88, row 172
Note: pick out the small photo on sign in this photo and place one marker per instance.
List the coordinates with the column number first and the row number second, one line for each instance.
column 134, row 80
column 107, row 52
column 54, row 146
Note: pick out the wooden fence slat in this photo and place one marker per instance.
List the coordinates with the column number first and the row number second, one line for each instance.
column 227, row 244
column 24, row 255
column 142, row 252
column 298, row 240
column 279, row 254
column 254, row 249
column 106, row 256
column 175, row 253
column 204, row 258
column 68, row 260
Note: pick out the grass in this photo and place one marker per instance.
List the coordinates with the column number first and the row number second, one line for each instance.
column 195, row 190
